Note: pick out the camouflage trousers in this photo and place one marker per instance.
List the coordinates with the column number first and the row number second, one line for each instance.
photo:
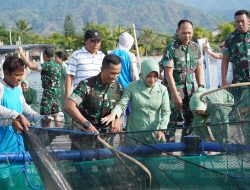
column 49, row 103
column 185, row 118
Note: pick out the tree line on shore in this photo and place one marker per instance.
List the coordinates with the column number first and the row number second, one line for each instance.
column 150, row 42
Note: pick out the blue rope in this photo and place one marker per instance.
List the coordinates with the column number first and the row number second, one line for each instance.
column 26, row 158
column 27, row 162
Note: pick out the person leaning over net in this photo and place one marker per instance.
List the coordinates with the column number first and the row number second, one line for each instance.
column 15, row 113
column 214, row 106
column 94, row 98
column 149, row 107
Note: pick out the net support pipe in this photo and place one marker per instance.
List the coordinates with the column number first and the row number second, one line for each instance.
column 135, row 150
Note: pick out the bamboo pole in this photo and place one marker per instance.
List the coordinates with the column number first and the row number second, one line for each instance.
column 136, row 47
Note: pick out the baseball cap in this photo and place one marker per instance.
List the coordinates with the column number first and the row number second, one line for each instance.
column 92, row 34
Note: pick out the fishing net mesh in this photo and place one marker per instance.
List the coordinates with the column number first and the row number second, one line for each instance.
column 218, row 158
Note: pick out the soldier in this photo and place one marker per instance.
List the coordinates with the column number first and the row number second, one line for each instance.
column 50, row 76
column 237, row 50
column 93, row 99
column 182, row 58
column 60, row 58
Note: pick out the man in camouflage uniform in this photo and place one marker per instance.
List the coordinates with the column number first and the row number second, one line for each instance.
column 237, row 50
column 182, row 58
column 93, row 99
column 50, row 76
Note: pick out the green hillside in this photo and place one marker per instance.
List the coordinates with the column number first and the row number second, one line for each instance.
column 47, row 17
column 222, row 9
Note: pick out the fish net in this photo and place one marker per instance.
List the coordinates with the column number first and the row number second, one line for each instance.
column 218, row 158
column 77, row 160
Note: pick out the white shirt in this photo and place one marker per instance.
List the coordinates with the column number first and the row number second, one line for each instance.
column 83, row 65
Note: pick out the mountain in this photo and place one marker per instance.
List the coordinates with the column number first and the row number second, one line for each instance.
column 47, row 17
column 222, row 9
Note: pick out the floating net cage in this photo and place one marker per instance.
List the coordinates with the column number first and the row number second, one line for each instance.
column 215, row 156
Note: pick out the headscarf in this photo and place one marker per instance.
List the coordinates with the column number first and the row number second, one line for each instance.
column 125, row 41
column 148, row 66
column 195, row 102
column 25, row 82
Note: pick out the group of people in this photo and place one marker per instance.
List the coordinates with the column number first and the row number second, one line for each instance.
column 99, row 88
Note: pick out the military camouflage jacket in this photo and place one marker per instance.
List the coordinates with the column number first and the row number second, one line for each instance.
column 95, row 99
column 50, row 76
column 185, row 60
column 237, row 48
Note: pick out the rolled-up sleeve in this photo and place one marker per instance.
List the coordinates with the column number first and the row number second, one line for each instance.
column 168, row 57
column 77, row 99
column 79, row 93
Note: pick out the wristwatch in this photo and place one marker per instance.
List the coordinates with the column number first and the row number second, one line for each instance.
column 86, row 124
column 201, row 85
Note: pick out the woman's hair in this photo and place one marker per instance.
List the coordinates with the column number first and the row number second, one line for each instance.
column 13, row 63
column 61, row 55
